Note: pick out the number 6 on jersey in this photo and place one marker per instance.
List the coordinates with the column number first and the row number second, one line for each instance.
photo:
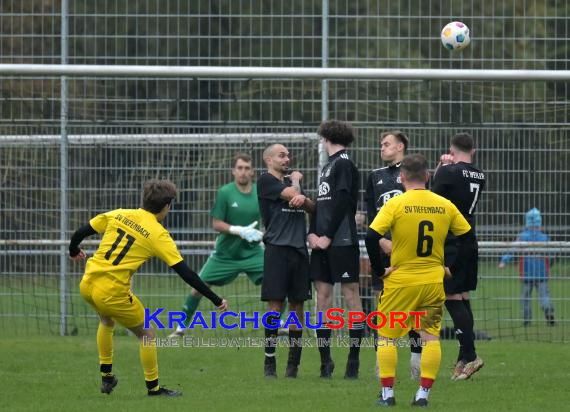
column 425, row 225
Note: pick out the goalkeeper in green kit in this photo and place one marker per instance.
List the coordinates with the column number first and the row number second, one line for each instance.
column 235, row 215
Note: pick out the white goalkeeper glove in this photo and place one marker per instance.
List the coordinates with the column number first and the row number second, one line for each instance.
column 248, row 233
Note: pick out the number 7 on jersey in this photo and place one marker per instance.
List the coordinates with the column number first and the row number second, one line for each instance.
column 474, row 187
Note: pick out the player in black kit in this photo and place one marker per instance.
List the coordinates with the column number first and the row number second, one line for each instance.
column 286, row 261
column 383, row 184
column 333, row 240
column 462, row 183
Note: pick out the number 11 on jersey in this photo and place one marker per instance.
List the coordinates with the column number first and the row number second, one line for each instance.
column 121, row 255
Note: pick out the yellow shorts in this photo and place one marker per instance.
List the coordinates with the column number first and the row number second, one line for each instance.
column 429, row 298
column 124, row 308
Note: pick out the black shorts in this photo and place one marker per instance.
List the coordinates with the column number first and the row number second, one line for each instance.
column 464, row 269
column 285, row 274
column 337, row 264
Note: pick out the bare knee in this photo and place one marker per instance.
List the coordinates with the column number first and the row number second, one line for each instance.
column 296, row 307
column 274, row 306
column 454, row 296
column 141, row 332
column 427, row 336
column 351, row 293
column 324, row 296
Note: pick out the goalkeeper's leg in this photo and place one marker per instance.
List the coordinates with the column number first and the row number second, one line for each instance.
column 189, row 308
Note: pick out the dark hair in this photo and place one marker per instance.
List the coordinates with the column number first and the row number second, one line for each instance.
column 399, row 135
column 337, row 132
column 241, row 156
column 463, row 141
column 415, row 167
column 157, row 194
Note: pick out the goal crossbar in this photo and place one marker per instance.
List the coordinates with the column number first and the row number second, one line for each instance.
column 181, row 138
column 278, row 73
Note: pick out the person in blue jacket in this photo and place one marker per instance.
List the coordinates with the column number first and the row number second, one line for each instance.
column 534, row 268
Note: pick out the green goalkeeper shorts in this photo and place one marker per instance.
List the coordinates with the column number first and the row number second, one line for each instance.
column 221, row 271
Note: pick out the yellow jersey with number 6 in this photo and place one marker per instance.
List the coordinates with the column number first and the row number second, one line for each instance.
column 419, row 221
column 130, row 238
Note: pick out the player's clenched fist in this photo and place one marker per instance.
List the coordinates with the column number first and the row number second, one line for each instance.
column 446, row 159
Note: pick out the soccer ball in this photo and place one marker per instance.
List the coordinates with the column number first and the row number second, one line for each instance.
column 455, row 36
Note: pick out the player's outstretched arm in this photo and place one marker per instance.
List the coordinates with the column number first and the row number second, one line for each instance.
column 75, row 252
column 191, row 278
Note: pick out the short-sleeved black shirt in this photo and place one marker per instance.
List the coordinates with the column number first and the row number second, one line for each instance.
column 339, row 174
column 462, row 184
column 284, row 225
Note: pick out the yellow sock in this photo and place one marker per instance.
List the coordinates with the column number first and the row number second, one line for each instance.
column 431, row 359
column 149, row 361
column 387, row 359
column 105, row 344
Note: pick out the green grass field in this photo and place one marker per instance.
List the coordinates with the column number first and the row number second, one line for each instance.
column 43, row 371
column 54, row 373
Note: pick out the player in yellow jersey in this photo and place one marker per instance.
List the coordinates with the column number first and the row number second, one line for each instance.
column 419, row 221
column 130, row 238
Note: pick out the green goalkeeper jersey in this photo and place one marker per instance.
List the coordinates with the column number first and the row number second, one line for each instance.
column 237, row 209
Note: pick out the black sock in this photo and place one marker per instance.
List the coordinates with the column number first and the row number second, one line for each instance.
column 106, row 371
column 467, row 304
column 295, row 347
column 461, row 354
column 324, row 343
column 355, row 337
column 415, row 342
column 150, row 385
column 461, row 322
column 271, row 338
column 106, row 368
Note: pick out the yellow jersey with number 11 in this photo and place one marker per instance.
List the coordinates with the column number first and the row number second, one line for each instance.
column 130, row 238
